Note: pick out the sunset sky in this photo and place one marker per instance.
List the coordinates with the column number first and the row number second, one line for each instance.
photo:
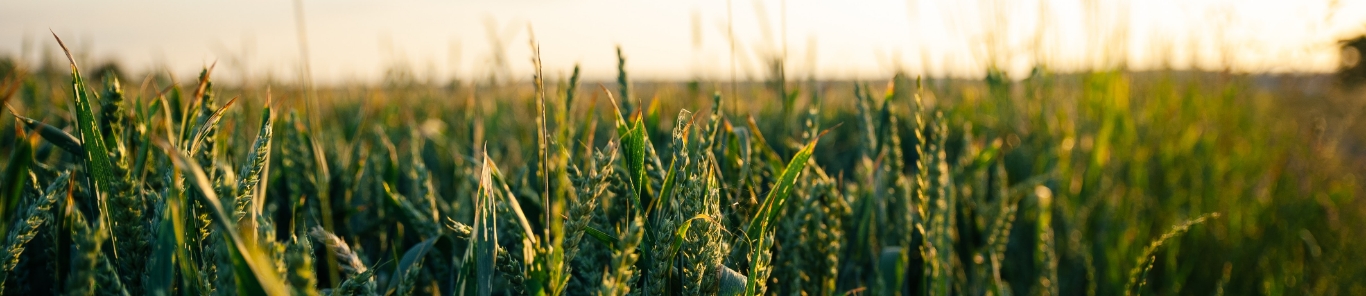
column 358, row 40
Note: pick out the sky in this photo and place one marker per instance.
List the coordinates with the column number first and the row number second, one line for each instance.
column 360, row 41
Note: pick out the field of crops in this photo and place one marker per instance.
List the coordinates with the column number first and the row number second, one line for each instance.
column 1103, row 183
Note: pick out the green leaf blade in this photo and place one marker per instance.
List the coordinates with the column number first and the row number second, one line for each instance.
column 768, row 210
column 97, row 162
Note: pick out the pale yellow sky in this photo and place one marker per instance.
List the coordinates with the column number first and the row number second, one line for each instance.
column 357, row 40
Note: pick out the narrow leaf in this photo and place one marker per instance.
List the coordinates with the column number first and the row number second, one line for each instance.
column 100, row 168
column 484, row 249
column 601, row 236
column 412, row 257
column 52, row 134
column 768, row 210
column 633, row 152
column 208, row 124
column 779, row 193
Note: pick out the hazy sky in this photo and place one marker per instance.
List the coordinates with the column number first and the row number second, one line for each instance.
column 358, row 40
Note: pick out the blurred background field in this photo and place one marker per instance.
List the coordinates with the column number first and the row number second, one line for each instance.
column 1042, row 161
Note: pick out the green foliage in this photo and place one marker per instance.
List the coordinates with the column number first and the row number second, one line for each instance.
column 1054, row 185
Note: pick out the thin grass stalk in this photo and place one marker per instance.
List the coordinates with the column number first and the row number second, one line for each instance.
column 1138, row 276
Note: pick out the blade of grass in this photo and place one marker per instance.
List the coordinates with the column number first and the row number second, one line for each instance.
column 633, row 152
column 768, row 210
column 496, row 177
column 771, row 157
column 190, row 110
column 145, row 122
column 542, row 139
column 101, row 169
column 601, row 236
column 51, row 133
column 411, row 258
column 777, row 196
column 485, row 247
column 208, row 124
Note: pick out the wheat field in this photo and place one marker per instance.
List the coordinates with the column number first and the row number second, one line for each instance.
column 1104, row 183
